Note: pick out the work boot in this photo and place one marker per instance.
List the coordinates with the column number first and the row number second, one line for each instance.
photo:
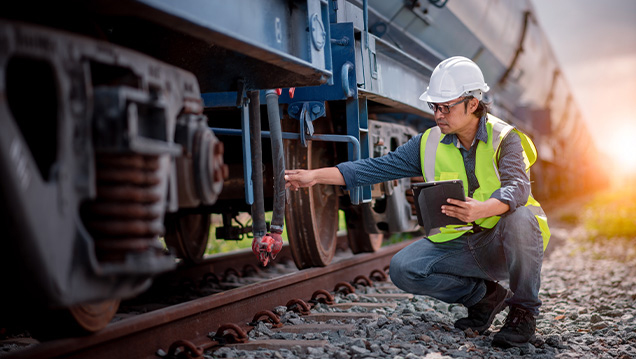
column 517, row 330
column 481, row 315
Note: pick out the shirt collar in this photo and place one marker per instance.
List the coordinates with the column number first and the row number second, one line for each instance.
column 481, row 135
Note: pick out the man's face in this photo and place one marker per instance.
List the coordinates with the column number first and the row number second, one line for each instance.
column 458, row 118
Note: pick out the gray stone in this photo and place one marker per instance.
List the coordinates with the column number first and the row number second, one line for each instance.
column 359, row 342
column 384, row 335
column 460, row 354
column 315, row 350
column 382, row 321
column 280, row 310
column 599, row 326
column 297, row 349
column 358, row 350
column 393, row 351
column 284, row 335
column 595, row 318
column 553, row 340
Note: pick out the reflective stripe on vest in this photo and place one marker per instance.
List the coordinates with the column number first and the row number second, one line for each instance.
column 488, row 179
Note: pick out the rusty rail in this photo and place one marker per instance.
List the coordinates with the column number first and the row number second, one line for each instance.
column 142, row 336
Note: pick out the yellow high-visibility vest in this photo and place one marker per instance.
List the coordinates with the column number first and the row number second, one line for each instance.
column 444, row 162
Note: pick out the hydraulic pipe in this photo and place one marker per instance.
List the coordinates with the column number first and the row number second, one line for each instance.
column 355, row 194
column 278, row 160
column 258, row 207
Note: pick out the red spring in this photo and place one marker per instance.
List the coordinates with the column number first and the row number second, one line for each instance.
column 126, row 216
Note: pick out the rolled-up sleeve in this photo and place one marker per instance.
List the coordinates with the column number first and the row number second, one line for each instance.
column 403, row 162
column 515, row 185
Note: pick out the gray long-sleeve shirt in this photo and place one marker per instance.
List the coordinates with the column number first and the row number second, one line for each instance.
column 405, row 162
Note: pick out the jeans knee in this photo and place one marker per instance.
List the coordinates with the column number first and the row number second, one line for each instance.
column 397, row 271
column 521, row 220
column 520, row 215
column 403, row 272
column 522, row 228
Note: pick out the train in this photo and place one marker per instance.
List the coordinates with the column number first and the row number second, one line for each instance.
column 126, row 122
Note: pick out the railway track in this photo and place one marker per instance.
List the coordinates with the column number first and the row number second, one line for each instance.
column 188, row 329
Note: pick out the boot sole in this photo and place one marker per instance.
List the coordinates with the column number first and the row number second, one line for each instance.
column 502, row 343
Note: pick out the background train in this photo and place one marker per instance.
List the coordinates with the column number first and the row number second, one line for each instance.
column 123, row 122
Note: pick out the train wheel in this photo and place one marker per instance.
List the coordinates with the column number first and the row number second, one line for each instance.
column 311, row 216
column 359, row 240
column 188, row 234
column 93, row 317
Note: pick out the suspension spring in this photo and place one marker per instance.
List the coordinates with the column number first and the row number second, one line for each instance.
column 126, row 216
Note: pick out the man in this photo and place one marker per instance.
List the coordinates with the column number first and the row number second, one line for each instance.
column 506, row 229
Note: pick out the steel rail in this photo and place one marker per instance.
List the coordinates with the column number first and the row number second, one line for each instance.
column 142, row 336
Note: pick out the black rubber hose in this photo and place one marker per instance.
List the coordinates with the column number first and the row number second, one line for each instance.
column 259, row 227
column 278, row 160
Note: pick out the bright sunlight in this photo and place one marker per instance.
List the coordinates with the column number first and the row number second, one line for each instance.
column 621, row 149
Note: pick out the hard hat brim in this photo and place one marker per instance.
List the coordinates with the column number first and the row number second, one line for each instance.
column 439, row 99
column 435, row 99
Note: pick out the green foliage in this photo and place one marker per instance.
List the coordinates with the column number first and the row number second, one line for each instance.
column 611, row 214
column 400, row 237
column 221, row 245
column 342, row 222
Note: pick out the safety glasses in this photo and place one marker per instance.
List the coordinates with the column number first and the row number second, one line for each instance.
column 445, row 108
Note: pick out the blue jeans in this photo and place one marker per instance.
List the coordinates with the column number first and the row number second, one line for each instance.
column 456, row 271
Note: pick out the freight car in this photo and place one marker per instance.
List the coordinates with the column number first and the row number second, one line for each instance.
column 121, row 122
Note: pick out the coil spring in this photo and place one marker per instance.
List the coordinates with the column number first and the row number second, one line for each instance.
column 126, row 216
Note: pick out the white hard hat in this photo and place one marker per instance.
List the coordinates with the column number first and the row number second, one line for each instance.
column 455, row 77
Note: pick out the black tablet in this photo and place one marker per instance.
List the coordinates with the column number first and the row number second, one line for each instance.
column 430, row 197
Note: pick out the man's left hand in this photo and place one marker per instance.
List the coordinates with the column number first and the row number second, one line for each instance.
column 472, row 209
column 468, row 211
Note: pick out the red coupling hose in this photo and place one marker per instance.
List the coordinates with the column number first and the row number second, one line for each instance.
column 267, row 247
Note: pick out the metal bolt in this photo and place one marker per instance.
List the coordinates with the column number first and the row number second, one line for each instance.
column 315, row 109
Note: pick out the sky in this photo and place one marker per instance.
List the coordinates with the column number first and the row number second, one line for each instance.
column 595, row 44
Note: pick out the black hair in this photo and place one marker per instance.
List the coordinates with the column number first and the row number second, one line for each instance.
column 482, row 108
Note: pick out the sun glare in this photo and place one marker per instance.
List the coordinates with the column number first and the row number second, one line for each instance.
column 621, row 149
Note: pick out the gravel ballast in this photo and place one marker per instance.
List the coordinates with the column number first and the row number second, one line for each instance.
column 589, row 300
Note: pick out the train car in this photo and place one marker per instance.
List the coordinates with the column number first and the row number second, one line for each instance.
column 124, row 122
